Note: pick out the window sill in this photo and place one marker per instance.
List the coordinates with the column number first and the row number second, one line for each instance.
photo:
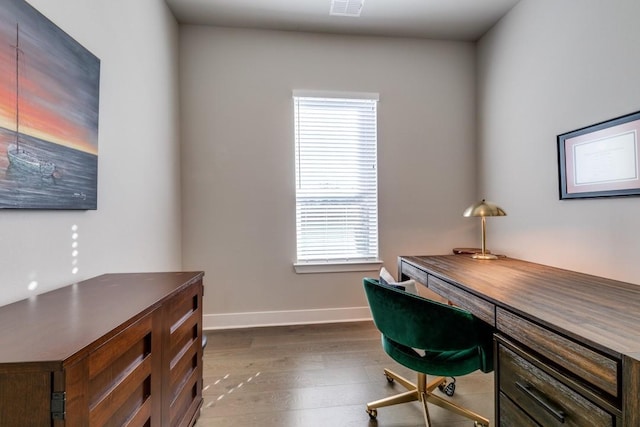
column 336, row 267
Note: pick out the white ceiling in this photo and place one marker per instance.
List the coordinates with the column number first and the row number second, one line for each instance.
column 439, row 19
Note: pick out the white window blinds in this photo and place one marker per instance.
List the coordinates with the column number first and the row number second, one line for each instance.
column 336, row 179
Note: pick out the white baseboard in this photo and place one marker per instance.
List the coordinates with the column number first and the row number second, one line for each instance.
column 281, row 318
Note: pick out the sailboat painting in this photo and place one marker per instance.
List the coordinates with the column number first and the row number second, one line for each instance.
column 49, row 98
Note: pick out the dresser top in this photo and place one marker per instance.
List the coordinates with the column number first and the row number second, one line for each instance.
column 53, row 326
column 600, row 311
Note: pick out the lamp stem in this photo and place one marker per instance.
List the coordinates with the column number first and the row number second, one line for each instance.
column 484, row 254
column 484, row 236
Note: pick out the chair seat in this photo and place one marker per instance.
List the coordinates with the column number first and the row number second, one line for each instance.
column 441, row 363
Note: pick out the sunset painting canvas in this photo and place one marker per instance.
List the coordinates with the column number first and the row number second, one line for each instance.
column 49, row 98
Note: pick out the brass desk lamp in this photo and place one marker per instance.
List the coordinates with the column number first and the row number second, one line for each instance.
column 484, row 209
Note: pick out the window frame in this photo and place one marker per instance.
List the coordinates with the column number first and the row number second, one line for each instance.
column 338, row 264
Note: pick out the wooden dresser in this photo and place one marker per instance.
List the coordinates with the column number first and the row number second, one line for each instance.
column 114, row 350
column 567, row 344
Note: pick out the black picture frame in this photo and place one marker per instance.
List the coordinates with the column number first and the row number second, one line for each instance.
column 601, row 160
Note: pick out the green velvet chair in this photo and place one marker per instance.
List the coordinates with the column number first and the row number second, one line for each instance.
column 432, row 339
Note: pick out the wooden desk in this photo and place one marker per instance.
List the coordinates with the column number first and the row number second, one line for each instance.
column 567, row 343
column 115, row 350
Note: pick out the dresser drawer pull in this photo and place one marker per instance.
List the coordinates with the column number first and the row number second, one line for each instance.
column 541, row 400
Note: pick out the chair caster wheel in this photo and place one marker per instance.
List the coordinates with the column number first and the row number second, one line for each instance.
column 477, row 424
column 389, row 379
column 373, row 413
column 448, row 389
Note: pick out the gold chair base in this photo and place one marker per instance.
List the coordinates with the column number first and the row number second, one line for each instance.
column 423, row 393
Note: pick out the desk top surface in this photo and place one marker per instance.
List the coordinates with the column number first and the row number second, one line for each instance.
column 589, row 308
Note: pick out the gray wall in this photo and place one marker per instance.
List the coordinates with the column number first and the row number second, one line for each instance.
column 238, row 167
column 547, row 68
column 137, row 224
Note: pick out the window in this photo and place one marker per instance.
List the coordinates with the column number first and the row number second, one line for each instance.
column 336, row 179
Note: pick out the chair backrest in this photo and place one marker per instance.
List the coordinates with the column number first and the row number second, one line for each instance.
column 421, row 323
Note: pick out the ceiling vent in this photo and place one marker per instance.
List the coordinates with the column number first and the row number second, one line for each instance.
column 346, row 7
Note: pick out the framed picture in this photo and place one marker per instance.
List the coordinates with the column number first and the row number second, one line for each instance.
column 600, row 160
column 49, row 90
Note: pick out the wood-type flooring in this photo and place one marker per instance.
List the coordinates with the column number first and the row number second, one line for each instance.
column 316, row 375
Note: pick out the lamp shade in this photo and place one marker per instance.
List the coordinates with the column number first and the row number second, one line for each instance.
column 484, row 208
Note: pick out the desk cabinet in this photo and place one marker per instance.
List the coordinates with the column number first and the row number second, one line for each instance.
column 541, row 394
column 567, row 344
column 116, row 350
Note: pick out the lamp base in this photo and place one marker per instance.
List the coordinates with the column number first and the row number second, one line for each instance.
column 484, row 256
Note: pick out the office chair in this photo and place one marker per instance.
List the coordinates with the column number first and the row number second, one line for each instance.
column 430, row 338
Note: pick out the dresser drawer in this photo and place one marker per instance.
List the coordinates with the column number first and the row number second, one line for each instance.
column 480, row 308
column 597, row 369
column 546, row 400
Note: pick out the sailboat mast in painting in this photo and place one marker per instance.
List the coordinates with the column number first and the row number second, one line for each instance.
column 19, row 157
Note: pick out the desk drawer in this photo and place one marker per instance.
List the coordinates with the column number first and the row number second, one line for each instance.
column 546, row 400
column 413, row 273
column 480, row 308
column 512, row 416
column 595, row 368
